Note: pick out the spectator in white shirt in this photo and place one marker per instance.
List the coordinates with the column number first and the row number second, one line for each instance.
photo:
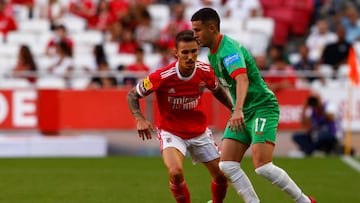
column 62, row 64
column 319, row 37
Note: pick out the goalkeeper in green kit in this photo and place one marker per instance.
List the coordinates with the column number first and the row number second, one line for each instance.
column 255, row 115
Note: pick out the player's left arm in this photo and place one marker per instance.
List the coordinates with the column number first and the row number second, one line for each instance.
column 222, row 96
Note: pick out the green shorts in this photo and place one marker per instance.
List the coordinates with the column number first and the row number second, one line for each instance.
column 261, row 126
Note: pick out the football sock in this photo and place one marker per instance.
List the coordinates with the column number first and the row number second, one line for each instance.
column 218, row 191
column 180, row 192
column 280, row 178
column 239, row 181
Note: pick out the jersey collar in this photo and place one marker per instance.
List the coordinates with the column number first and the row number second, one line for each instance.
column 217, row 46
column 179, row 74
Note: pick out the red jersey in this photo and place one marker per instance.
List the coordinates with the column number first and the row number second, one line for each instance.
column 127, row 47
column 68, row 41
column 24, row 2
column 179, row 98
column 7, row 24
column 118, row 7
column 101, row 21
column 82, row 8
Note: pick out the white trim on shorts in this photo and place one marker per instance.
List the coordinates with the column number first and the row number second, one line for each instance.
column 202, row 148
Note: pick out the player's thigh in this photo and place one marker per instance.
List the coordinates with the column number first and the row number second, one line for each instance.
column 173, row 159
column 262, row 153
column 232, row 150
column 173, row 150
column 263, row 133
column 235, row 143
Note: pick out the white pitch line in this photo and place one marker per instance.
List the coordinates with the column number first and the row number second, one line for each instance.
column 351, row 162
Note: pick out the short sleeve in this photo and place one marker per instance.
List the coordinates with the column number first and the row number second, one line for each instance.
column 148, row 85
column 234, row 63
column 211, row 82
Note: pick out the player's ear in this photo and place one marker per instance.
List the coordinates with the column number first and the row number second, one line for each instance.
column 212, row 27
column 176, row 53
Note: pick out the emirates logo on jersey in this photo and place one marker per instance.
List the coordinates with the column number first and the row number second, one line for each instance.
column 184, row 102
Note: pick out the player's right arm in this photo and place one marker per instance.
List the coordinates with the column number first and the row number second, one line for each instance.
column 143, row 126
column 237, row 120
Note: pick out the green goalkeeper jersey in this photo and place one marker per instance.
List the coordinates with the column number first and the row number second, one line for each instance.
column 230, row 59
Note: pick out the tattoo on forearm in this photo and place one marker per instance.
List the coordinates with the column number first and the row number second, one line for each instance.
column 134, row 104
column 223, row 97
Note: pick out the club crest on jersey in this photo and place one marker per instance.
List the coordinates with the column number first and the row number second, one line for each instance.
column 168, row 139
column 147, row 84
column 230, row 59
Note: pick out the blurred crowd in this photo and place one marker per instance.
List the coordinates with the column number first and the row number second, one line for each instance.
column 307, row 45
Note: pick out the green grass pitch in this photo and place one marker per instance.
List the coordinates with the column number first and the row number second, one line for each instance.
column 144, row 180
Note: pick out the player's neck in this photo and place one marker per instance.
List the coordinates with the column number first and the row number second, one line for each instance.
column 216, row 43
column 185, row 72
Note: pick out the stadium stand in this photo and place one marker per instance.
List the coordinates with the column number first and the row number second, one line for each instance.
column 37, row 26
column 51, row 83
column 272, row 25
column 14, row 83
column 160, row 14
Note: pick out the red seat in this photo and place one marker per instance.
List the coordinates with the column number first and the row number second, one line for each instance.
column 281, row 32
column 304, row 5
column 267, row 4
column 282, row 14
column 300, row 22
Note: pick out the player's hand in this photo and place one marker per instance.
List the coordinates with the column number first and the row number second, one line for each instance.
column 237, row 121
column 145, row 129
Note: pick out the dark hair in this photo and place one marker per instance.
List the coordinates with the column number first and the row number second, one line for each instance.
column 313, row 101
column 185, row 36
column 145, row 14
column 100, row 54
column 27, row 56
column 102, row 61
column 139, row 50
column 207, row 15
column 65, row 48
column 98, row 6
column 61, row 27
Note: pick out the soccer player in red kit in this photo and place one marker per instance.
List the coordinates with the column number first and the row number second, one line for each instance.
column 183, row 126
